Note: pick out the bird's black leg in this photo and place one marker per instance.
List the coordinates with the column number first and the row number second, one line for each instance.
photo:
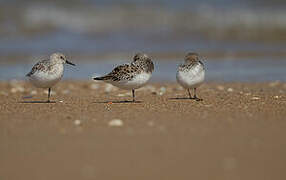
column 195, row 95
column 49, row 94
column 190, row 95
column 133, row 95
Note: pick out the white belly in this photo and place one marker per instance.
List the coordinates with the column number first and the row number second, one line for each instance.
column 46, row 79
column 138, row 81
column 191, row 79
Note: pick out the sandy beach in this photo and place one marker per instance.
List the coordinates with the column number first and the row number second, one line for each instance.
column 91, row 130
column 236, row 132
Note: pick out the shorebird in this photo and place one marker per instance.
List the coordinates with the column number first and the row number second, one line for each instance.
column 191, row 74
column 48, row 72
column 131, row 76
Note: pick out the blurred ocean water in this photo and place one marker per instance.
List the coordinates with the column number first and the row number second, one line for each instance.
column 94, row 25
column 33, row 28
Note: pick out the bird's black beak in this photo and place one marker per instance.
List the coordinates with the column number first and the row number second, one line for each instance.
column 70, row 63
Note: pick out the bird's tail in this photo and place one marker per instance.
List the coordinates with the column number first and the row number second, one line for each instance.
column 99, row 78
column 103, row 78
column 29, row 74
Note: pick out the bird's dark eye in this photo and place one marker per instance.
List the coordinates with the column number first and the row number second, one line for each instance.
column 62, row 57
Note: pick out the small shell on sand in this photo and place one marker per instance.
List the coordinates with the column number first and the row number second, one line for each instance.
column 255, row 98
column 160, row 92
column 163, row 90
column 116, row 123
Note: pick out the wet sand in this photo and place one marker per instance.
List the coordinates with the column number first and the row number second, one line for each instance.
column 236, row 132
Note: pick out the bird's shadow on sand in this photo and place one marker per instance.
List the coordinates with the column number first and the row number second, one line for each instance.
column 118, row 102
column 185, row 98
column 37, row 102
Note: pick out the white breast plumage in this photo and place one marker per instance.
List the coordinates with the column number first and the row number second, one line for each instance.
column 138, row 81
column 191, row 78
column 47, row 79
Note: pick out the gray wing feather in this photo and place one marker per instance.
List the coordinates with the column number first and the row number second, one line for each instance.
column 40, row 66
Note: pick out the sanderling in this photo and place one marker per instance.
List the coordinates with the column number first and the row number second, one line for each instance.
column 131, row 76
column 191, row 73
column 46, row 73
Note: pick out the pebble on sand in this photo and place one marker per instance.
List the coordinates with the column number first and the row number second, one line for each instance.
column 116, row 122
column 230, row 90
column 77, row 122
